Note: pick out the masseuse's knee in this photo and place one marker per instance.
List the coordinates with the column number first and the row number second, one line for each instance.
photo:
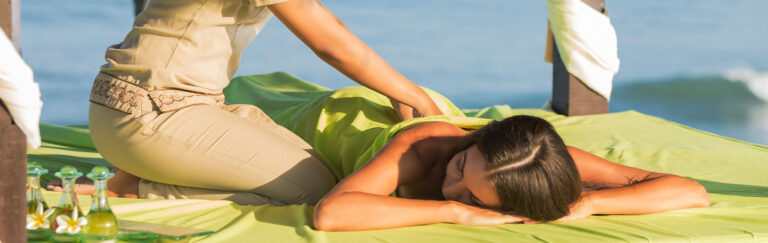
column 306, row 182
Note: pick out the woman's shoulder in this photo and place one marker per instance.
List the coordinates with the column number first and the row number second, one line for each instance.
column 433, row 141
column 432, row 129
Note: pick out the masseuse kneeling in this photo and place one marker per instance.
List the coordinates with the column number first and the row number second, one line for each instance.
column 158, row 112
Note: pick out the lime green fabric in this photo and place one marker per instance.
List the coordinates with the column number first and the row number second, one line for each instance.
column 345, row 126
column 350, row 128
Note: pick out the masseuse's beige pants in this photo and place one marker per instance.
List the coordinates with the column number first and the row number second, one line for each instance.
column 233, row 152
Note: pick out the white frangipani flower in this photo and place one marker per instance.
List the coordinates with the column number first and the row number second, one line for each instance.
column 39, row 220
column 71, row 225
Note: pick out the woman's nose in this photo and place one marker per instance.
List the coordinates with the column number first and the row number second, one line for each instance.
column 453, row 191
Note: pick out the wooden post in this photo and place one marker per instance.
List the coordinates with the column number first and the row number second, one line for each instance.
column 9, row 21
column 13, row 149
column 569, row 95
column 13, row 161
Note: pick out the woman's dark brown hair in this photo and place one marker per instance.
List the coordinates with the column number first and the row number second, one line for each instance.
column 529, row 165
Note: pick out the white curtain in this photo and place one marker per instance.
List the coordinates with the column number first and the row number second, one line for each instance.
column 586, row 41
column 19, row 92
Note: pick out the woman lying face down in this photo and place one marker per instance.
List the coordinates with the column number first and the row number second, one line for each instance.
column 518, row 165
column 510, row 171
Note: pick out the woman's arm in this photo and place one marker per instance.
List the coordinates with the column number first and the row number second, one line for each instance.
column 361, row 201
column 327, row 36
column 631, row 190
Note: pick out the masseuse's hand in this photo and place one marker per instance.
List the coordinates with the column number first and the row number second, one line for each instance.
column 407, row 112
column 471, row 215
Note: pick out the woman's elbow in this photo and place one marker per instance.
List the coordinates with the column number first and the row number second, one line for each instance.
column 324, row 219
column 702, row 198
column 322, row 222
column 697, row 195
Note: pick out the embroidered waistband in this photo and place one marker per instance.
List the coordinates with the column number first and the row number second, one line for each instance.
column 130, row 97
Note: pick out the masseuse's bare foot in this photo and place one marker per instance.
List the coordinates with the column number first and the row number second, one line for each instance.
column 122, row 185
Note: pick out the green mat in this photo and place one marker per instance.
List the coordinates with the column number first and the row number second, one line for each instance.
column 349, row 128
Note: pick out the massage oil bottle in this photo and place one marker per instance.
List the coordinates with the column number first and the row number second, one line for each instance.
column 102, row 222
column 69, row 205
column 34, row 194
column 38, row 223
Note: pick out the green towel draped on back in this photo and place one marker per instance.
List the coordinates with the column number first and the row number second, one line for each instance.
column 346, row 126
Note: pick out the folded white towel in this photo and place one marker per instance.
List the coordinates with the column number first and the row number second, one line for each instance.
column 586, row 41
column 19, row 92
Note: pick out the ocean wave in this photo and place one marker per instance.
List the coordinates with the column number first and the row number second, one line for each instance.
column 734, row 86
column 757, row 82
column 733, row 103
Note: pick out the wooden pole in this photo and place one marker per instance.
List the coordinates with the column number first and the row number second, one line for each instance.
column 9, row 21
column 569, row 95
column 13, row 149
column 13, row 161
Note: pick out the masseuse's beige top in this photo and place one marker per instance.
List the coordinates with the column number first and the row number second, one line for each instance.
column 179, row 53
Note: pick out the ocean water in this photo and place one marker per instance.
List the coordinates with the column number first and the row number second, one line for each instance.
column 703, row 64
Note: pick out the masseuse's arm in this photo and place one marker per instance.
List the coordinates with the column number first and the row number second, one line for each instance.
column 362, row 202
column 327, row 36
column 631, row 190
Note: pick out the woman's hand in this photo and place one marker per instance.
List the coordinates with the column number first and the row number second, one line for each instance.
column 579, row 210
column 471, row 215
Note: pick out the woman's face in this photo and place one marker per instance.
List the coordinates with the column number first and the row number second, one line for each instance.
column 466, row 181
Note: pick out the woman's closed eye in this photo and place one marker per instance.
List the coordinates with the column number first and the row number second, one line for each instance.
column 460, row 165
column 474, row 200
column 471, row 198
